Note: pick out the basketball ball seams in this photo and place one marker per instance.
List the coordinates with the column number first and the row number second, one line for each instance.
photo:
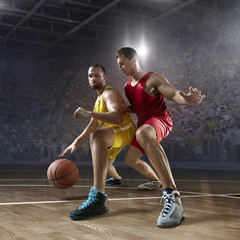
column 59, row 166
column 56, row 178
column 65, row 184
column 52, row 179
column 67, row 172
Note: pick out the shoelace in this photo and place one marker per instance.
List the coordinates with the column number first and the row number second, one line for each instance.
column 168, row 203
column 91, row 199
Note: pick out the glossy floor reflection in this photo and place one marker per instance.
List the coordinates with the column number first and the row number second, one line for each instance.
column 33, row 210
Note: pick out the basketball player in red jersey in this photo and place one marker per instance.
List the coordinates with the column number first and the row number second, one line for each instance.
column 145, row 92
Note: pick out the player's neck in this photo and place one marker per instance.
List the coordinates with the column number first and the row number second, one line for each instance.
column 100, row 91
column 137, row 75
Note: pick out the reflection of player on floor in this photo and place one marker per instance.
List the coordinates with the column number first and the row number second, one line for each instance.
column 117, row 130
column 145, row 91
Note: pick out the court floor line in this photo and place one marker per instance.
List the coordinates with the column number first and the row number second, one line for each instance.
column 125, row 180
column 111, row 187
column 49, row 185
column 108, row 187
column 119, row 199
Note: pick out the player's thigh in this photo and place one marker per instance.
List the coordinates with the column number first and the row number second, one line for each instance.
column 104, row 134
column 123, row 137
column 146, row 131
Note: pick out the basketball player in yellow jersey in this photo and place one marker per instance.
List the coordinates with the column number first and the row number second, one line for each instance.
column 117, row 130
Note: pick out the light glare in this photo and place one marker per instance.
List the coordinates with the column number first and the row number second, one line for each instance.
column 142, row 51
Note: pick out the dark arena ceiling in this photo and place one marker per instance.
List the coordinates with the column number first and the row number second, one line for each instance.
column 67, row 26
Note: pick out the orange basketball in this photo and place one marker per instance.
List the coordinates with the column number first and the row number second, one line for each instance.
column 62, row 173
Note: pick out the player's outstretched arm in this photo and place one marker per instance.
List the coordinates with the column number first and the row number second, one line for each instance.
column 82, row 137
column 194, row 96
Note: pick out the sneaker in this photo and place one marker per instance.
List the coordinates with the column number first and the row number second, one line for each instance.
column 173, row 212
column 152, row 185
column 113, row 181
column 97, row 204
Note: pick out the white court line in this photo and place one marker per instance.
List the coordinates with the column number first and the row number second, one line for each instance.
column 212, row 181
column 25, row 185
column 188, row 180
column 75, row 186
column 27, row 203
column 130, row 180
column 120, row 199
column 227, row 196
column 63, row 201
column 196, row 194
column 36, row 179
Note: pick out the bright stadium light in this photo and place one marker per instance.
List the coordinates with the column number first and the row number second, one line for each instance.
column 142, row 51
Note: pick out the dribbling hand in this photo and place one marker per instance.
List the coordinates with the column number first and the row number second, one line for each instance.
column 71, row 148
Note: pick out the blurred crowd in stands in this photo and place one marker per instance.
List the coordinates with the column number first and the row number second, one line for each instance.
column 39, row 95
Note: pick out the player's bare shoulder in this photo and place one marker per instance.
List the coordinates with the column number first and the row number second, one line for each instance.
column 155, row 80
column 111, row 94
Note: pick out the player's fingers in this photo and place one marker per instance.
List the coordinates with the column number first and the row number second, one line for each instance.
column 76, row 114
column 64, row 152
column 182, row 94
column 190, row 89
column 195, row 90
column 61, row 154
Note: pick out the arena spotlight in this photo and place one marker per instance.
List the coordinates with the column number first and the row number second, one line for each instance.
column 142, row 51
column 142, row 47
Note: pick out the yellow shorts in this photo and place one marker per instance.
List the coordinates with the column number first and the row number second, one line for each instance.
column 122, row 137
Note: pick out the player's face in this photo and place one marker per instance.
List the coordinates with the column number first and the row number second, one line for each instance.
column 96, row 78
column 125, row 65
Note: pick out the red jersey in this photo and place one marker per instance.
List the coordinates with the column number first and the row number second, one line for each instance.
column 146, row 106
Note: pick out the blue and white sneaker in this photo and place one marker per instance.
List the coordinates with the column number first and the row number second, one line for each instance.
column 173, row 212
column 97, row 204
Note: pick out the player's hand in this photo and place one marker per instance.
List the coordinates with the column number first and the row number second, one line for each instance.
column 71, row 148
column 193, row 97
column 83, row 112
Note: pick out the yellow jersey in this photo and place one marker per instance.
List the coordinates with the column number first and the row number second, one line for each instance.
column 100, row 106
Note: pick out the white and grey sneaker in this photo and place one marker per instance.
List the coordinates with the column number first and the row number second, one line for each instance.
column 173, row 212
column 152, row 185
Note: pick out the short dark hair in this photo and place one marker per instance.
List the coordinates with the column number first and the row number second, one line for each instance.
column 127, row 52
column 99, row 66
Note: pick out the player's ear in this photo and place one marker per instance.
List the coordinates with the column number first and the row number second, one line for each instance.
column 134, row 60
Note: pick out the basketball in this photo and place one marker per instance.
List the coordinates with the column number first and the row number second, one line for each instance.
column 62, row 173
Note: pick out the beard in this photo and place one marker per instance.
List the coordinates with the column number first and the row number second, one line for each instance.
column 96, row 86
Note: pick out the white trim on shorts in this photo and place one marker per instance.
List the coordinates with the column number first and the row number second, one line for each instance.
column 119, row 129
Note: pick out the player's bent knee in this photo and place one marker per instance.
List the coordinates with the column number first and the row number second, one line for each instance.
column 143, row 134
column 102, row 136
column 96, row 135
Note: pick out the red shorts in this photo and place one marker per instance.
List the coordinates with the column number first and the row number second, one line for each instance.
column 162, row 127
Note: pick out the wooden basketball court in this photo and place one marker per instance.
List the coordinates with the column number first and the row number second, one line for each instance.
column 31, row 209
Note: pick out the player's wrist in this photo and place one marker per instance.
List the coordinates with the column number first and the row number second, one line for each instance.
column 90, row 113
